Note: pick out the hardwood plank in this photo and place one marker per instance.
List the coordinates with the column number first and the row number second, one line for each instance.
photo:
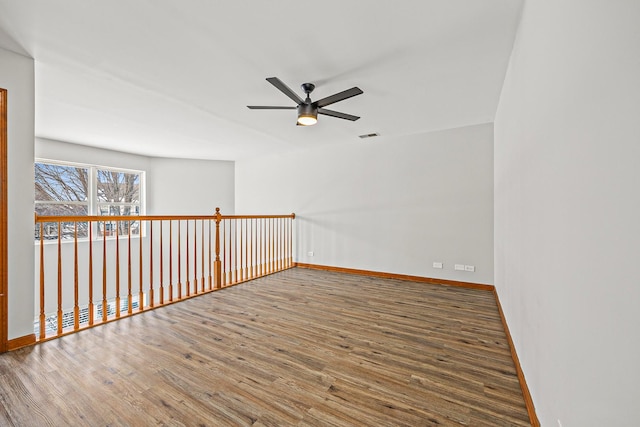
column 300, row 347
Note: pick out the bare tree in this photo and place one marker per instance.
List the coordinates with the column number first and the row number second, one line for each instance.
column 57, row 183
column 118, row 188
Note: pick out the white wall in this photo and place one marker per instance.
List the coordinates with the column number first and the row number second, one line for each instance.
column 176, row 185
column 386, row 204
column 567, row 208
column 17, row 76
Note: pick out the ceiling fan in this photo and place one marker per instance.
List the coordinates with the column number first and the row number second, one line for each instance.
column 308, row 111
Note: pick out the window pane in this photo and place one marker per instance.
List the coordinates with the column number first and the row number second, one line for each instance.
column 67, row 230
column 118, row 187
column 118, row 210
column 60, row 183
column 60, row 209
column 118, row 228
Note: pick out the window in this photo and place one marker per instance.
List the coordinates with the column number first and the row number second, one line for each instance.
column 66, row 189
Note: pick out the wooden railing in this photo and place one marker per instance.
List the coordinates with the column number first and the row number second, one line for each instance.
column 95, row 269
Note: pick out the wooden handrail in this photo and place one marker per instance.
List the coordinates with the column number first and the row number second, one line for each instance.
column 102, row 218
column 208, row 252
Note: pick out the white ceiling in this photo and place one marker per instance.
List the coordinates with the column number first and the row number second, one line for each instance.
column 173, row 77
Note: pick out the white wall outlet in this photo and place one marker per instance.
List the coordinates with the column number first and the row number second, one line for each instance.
column 437, row 265
column 458, row 267
column 310, row 253
column 469, row 268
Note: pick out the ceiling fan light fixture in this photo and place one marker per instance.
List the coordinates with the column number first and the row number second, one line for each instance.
column 307, row 115
column 307, row 120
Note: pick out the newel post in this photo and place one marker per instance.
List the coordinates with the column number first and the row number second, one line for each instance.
column 217, row 268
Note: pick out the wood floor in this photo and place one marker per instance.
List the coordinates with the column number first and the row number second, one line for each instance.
column 301, row 347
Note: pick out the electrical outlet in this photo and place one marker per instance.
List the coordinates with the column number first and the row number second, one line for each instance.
column 310, row 253
column 469, row 268
column 459, row 267
column 437, row 265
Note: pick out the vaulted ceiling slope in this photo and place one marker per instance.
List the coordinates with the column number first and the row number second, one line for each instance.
column 173, row 78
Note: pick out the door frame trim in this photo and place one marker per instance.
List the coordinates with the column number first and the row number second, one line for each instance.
column 4, row 249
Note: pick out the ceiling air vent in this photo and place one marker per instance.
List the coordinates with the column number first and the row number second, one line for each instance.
column 368, row 135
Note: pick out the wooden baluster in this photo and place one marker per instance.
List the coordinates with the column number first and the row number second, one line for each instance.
column 161, row 265
column 240, row 247
column 140, row 266
column 279, row 221
column 272, row 252
column 251, row 241
column 76, row 308
column 247, row 242
column 170, row 260
column 286, row 242
column 151, row 295
column 91, row 274
column 210, row 265
column 202, row 281
column 245, row 245
column 129, row 278
column 233, row 244
column 278, row 244
column 218, row 271
column 104, row 271
column 179, row 263
column 236, row 251
column 232, row 250
column 276, row 237
column 264, row 246
column 187, row 263
column 42, row 301
column 117, row 269
column 59, row 277
column 274, row 240
column 250, row 248
column 227, row 256
column 195, row 257
column 261, row 241
column 293, row 216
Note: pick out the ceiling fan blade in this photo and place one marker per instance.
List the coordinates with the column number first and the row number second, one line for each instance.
column 337, row 114
column 267, row 107
column 285, row 89
column 339, row 96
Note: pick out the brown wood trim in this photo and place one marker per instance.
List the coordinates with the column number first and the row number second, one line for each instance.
column 4, row 205
column 479, row 286
column 77, row 218
column 20, row 342
column 523, row 383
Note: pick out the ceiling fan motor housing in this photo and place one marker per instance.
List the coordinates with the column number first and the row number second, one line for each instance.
column 307, row 109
